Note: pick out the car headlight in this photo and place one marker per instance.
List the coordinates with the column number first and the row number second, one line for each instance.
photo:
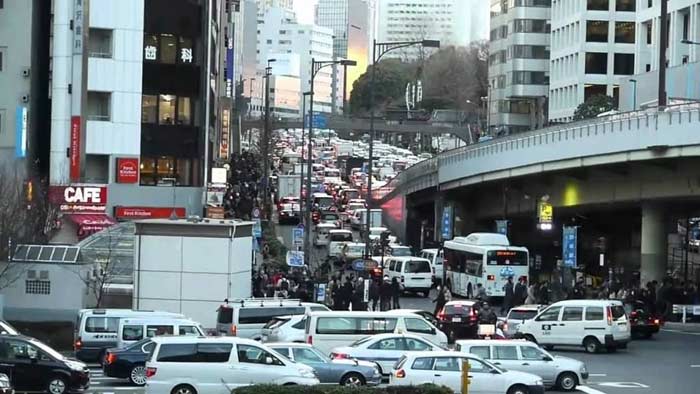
column 539, row 382
column 75, row 366
column 307, row 373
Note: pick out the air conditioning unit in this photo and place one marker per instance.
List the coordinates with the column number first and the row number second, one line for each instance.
column 25, row 98
column 44, row 275
column 26, row 72
column 31, row 274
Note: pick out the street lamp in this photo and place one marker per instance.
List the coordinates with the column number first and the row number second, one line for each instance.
column 316, row 66
column 634, row 94
column 303, row 132
column 380, row 49
column 266, row 139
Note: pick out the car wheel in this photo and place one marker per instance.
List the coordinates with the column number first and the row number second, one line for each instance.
column 57, row 385
column 530, row 338
column 567, row 381
column 137, row 376
column 183, row 389
column 591, row 345
column 353, row 380
column 518, row 389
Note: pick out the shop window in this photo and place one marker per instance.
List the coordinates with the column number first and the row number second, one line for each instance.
column 624, row 64
column 149, row 109
column 624, row 32
column 98, row 106
column 166, row 109
column 184, row 111
column 597, row 31
column 596, row 63
column 168, row 48
column 168, row 171
column 100, row 43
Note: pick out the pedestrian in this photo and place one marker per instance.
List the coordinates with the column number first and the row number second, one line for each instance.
column 481, row 292
column 520, row 292
column 470, row 291
column 531, row 293
column 439, row 300
column 509, row 295
column 374, row 294
column 395, row 293
column 347, row 293
column 385, row 294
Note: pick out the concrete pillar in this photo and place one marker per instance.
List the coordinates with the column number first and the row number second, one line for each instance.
column 654, row 249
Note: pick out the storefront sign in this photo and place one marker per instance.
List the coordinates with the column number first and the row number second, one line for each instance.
column 569, row 246
column 229, row 68
column 78, row 25
column 224, row 148
column 79, row 198
column 134, row 213
column 74, row 149
column 127, row 170
column 545, row 213
column 216, row 212
column 21, row 132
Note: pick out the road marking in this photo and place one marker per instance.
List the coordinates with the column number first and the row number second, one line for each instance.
column 588, row 390
column 597, row 375
column 681, row 332
column 624, row 385
column 695, row 366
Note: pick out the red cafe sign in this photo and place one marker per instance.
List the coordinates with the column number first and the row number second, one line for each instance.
column 74, row 156
column 79, row 198
column 134, row 213
column 127, row 170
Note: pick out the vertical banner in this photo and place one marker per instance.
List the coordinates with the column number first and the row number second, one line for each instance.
column 229, row 68
column 224, row 143
column 75, row 148
column 447, row 218
column 569, row 246
column 21, row 132
column 502, row 227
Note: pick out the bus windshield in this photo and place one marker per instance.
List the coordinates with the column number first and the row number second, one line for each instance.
column 506, row 257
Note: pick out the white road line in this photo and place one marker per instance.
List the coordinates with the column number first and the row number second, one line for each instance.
column 695, row 366
column 681, row 332
column 589, row 390
column 597, row 375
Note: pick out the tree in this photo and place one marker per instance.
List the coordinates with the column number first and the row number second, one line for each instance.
column 389, row 87
column 594, row 106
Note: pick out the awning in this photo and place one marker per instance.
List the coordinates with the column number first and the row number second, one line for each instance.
column 90, row 224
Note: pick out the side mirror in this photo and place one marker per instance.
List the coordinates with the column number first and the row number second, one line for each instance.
column 268, row 360
column 547, row 358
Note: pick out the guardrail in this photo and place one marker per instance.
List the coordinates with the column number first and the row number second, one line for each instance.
column 685, row 311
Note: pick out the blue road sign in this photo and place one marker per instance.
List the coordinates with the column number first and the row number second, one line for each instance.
column 569, row 246
column 358, row 265
column 295, row 259
column 298, row 236
column 319, row 121
column 447, row 222
column 257, row 228
column 502, row 227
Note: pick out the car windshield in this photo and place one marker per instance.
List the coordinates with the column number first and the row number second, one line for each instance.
column 417, row 267
column 401, row 252
column 330, row 217
column 457, row 309
column 46, row 348
column 522, row 314
column 341, row 237
column 618, row 311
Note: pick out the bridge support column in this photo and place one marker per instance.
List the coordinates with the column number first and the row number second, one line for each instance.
column 654, row 248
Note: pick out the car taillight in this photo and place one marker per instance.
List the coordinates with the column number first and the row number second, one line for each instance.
column 400, row 373
column 150, row 372
column 340, row 356
column 111, row 358
column 234, row 330
column 657, row 321
column 608, row 311
column 310, row 340
column 78, row 344
column 491, row 277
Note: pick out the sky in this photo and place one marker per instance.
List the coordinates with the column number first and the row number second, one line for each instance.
column 305, row 10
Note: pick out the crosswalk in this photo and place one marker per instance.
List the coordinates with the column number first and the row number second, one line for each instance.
column 101, row 384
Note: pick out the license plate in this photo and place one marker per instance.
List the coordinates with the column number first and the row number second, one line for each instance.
column 623, row 327
column 456, row 319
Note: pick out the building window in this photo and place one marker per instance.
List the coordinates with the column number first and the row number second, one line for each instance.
column 149, row 109
column 186, row 51
column 184, row 111
column 2, row 52
column 596, row 63
column 98, row 106
column 150, row 47
column 168, row 171
column 166, row 109
column 647, row 26
column 100, row 43
column 598, row 5
column 37, row 287
column 625, row 5
column 594, row 90
column 597, row 31
column 624, row 32
column 624, row 64
column 686, row 25
column 168, row 49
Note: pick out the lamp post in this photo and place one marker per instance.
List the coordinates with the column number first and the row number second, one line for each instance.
column 634, row 94
column 316, row 66
column 308, row 154
column 266, row 140
column 380, row 49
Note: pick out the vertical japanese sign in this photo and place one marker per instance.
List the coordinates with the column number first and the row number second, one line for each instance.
column 569, row 246
column 21, row 132
column 502, row 227
column 74, row 149
column 78, row 26
column 229, row 68
column 447, row 218
column 224, row 143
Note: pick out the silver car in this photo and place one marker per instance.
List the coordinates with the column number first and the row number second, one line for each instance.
column 519, row 355
column 347, row 372
column 518, row 315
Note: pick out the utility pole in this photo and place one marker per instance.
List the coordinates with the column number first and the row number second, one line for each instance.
column 266, row 142
column 663, row 45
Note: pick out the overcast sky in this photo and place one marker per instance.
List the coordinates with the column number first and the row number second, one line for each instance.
column 305, row 10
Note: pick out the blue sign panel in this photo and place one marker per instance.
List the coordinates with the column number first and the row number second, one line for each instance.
column 21, row 121
column 569, row 248
column 319, row 121
column 257, row 228
column 502, row 227
column 295, row 259
column 321, row 292
column 447, row 222
column 298, row 236
column 358, row 265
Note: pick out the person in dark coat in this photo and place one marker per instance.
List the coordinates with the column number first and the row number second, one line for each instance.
column 508, row 297
column 385, row 294
column 347, row 293
column 374, row 294
column 439, row 301
column 395, row 294
column 520, row 292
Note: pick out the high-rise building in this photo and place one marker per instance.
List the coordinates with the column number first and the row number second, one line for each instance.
column 592, row 47
column 453, row 22
column 264, row 5
column 350, row 21
column 518, row 65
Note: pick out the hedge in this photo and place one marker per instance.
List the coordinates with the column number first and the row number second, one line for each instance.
column 321, row 389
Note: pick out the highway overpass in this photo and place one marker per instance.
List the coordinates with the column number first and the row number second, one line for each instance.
column 626, row 178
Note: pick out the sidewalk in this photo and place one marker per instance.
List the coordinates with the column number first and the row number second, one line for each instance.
column 687, row 327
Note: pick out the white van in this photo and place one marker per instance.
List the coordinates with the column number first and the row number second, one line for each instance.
column 134, row 330
column 413, row 273
column 96, row 330
column 593, row 324
column 337, row 240
column 217, row 365
column 436, row 257
column 323, row 232
column 328, row 330
column 246, row 318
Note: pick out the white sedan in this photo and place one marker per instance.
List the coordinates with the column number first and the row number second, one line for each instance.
column 445, row 368
column 383, row 349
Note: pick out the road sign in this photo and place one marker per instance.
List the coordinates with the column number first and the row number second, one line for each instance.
column 295, row 258
column 447, row 222
column 257, row 228
column 320, row 121
column 298, row 236
column 256, row 213
column 320, row 292
column 569, row 246
column 502, row 227
column 365, row 295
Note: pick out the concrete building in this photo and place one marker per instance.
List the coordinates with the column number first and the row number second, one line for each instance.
column 264, row 5
column 592, row 46
column 518, row 66
column 350, row 21
column 24, row 103
column 453, row 22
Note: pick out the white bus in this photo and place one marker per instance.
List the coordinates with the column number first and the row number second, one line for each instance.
column 485, row 258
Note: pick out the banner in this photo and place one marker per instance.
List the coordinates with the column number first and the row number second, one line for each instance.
column 75, row 149
column 569, row 246
column 224, row 143
column 21, row 132
column 447, row 222
column 229, row 68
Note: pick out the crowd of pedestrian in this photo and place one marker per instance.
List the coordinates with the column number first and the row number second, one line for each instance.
column 296, row 284
column 244, row 176
column 349, row 294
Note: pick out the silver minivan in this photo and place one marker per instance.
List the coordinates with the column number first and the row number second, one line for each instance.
column 520, row 355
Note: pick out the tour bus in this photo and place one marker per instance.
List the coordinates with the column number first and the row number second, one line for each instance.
column 485, row 258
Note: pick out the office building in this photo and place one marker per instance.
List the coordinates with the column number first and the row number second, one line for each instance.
column 24, row 70
column 592, row 47
column 518, row 66
column 453, row 22
column 264, row 5
column 350, row 21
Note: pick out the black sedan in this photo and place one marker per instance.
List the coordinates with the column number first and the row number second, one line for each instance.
column 644, row 323
column 129, row 362
column 459, row 319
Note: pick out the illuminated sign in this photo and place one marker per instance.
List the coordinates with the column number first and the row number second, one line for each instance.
column 545, row 215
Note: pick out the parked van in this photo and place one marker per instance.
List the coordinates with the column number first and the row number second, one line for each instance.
column 593, row 324
column 323, row 232
column 217, row 365
column 96, row 330
column 337, row 240
column 328, row 330
column 134, row 330
column 246, row 318
column 413, row 273
column 436, row 257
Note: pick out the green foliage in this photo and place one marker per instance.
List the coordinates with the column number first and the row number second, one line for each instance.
column 594, row 106
column 272, row 389
column 391, row 78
